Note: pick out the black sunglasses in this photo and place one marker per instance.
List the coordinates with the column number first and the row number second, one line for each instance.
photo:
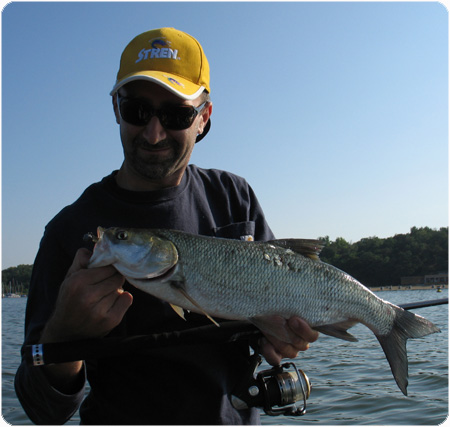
column 139, row 112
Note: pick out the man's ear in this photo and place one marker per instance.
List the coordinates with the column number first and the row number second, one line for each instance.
column 116, row 108
column 205, row 114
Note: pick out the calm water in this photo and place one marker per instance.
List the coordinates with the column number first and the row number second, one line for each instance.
column 352, row 382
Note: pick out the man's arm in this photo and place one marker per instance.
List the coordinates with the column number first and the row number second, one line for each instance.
column 90, row 303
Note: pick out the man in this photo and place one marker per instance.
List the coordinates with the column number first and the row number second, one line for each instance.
column 161, row 102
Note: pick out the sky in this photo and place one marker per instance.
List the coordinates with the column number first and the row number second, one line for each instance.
column 335, row 113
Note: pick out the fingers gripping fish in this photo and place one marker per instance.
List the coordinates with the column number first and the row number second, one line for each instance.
column 244, row 280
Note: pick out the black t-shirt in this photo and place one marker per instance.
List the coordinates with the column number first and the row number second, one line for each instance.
column 177, row 385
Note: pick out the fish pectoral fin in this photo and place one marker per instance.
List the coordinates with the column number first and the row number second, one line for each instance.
column 338, row 330
column 178, row 310
column 306, row 247
column 179, row 287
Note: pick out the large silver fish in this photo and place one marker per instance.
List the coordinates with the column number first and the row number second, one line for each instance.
column 233, row 279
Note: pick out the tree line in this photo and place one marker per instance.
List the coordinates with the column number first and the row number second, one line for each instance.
column 382, row 262
column 372, row 261
column 16, row 279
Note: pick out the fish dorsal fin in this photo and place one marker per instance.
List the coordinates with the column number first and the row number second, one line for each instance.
column 179, row 287
column 307, row 247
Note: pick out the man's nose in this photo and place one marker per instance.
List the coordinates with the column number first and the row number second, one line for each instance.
column 154, row 131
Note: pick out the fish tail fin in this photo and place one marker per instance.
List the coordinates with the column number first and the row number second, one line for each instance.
column 406, row 325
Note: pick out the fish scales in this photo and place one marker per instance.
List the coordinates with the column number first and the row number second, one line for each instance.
column 233, row 279
column 239, row 278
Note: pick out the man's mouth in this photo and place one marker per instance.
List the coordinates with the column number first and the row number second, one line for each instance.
column 154, row 147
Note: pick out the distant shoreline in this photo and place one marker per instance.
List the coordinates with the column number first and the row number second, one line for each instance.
column 408, row 288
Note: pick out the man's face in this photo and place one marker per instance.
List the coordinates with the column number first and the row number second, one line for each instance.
column 152, row 152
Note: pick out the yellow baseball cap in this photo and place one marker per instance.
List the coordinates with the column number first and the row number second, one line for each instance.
column 171, row 58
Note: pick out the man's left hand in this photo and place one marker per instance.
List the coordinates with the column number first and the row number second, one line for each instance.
column 274, row 349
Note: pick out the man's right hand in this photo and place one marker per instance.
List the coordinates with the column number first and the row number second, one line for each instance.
column 90, row 303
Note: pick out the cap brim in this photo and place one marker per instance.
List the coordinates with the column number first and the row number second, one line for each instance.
column 175, row 84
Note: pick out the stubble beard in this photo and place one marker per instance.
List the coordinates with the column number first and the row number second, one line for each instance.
column 154, row 169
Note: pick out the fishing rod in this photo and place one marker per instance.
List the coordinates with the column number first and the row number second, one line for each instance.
column 95, row 348
column 420, row 304
column 98, row 348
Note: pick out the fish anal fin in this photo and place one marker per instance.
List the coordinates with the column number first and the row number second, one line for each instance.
column 178, row 310
column 306, row 247
column 338, row 330
column 179, row 287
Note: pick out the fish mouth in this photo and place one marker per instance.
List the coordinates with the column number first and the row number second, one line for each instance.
column 164, row 277
column 100, row 256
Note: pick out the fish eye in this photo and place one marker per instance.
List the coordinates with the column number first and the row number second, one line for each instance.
column 121, row 235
